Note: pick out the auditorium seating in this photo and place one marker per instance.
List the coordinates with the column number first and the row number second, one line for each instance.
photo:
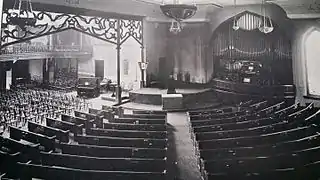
column 64, row 79
column 83, row 143
column 19, row 105
column 260, row 141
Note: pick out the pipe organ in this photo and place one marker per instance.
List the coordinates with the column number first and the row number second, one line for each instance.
column 249, row 56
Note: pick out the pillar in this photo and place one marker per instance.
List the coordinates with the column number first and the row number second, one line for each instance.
column 45, row 71
column 143, row 71
column 142, row 82
column 118, row 88
column 3, row 74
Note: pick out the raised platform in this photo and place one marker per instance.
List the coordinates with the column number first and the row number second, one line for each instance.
column 191, row 97
column 231, row 92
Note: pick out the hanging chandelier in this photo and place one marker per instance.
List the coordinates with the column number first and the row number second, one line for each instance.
column 178, row 12
column 266, row 25
column 22, row 17
column 235, row 22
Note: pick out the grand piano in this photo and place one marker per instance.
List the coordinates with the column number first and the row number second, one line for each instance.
column 89, row 86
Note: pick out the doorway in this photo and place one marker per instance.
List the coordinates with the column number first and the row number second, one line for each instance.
column 99, row 68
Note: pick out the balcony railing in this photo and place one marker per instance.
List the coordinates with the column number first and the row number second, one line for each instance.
column 23, row 48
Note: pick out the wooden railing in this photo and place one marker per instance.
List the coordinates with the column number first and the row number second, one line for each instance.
column 286, row 91
column 23, row 48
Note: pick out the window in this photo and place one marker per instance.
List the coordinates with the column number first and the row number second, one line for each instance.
column 126, row 67
column 312, row 55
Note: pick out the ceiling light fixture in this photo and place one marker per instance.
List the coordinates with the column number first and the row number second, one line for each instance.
column 266, row 25
column 22, row 17
column 178, row 12
column 235, row 22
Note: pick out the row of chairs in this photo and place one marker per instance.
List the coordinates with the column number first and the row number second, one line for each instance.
column 264, row 140
column 92, row 144
column 17, row 106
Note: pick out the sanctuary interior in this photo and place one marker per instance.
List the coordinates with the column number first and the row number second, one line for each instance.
column 159, row 89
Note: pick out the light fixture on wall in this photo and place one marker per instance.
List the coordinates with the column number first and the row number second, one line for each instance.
column 235, row 22
column 143, row 65
column 178, row 12
column 266, row 25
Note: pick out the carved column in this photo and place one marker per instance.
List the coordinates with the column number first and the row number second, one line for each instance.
column 142, row 82
column 118, row 88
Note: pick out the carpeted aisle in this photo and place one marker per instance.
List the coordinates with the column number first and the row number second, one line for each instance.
column 181, row 151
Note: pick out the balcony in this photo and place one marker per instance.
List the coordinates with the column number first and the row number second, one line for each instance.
column 32, row 51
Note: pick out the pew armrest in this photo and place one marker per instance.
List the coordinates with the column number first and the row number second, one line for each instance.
column 16, row 154
column 52, row 137
column 35, row 145
column 80, row 125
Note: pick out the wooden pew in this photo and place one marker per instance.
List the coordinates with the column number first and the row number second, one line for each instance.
column 116, row 152
column 7, row 164
column 103, row 164
column 107, row 113
column 13, row 146
column 61, row 135
column 239, row 115
column 136, row 127
column 145, row 116
column 217, row 116
column 121, row 142
column 261, row 164
column 261, row 150
column 5, row 176
column 139, row 121
column 231, row 126
column 282, row 125
column 212, row 111
column 46, row 143
column 98, row 120
column 81, row 122
column 234, row 119
column 64, row 125
column 309, row 171
column 29, row 171
column 253, row 108
column 210, row 126
column 127, row 133
column 276, row 137
column 149, row 112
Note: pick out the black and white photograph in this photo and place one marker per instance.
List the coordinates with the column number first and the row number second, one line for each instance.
column 159, row 89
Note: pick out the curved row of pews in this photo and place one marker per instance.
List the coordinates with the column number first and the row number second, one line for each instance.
column 264, row 140
column 94, row 144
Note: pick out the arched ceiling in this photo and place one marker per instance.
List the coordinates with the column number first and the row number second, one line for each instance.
column 150, row 8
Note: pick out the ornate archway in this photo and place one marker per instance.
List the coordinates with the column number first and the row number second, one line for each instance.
column 36, row 23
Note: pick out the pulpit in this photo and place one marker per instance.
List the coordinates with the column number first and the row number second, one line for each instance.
column 172, row 101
